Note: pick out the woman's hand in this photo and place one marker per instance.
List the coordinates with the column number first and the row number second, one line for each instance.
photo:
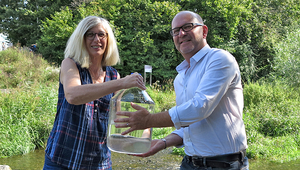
column 133, row 80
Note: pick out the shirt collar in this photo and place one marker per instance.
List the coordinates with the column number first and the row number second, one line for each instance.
column 197, row 57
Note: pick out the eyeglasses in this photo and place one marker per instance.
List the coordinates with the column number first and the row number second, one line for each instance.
column 186, row 27
column 91, row 35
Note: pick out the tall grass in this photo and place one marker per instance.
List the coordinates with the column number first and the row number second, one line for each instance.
column 20, row 68
column 27, row 108
column 26, row 117
column 272, row 119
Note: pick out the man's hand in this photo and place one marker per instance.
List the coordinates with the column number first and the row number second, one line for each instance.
column 136, row 120
column 156, row 146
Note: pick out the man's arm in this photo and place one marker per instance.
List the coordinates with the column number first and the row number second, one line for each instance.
column 142, row 119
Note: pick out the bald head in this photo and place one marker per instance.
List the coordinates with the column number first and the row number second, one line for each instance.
column 191, row 14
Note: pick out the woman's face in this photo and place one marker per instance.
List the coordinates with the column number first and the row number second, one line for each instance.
column 96, row 41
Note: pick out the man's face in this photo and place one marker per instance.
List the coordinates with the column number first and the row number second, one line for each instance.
column 190, row 42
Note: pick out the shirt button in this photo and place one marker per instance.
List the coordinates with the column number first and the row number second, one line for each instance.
column 96, row 104
column 95, row 110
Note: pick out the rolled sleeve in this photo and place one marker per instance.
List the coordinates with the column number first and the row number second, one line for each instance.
column 174, row 117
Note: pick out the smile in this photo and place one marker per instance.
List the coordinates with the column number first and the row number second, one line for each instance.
column 184, row 41
column 96, row 46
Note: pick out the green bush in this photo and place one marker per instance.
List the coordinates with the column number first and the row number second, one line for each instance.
column 286, row 64
column 271, row 116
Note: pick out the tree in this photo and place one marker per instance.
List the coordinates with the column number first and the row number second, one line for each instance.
column 141, row 28
column 286, row 64
column 21, row 19
column 248, row 29
column 143, row 35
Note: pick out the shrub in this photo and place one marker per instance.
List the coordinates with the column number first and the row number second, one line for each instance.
column 286, row 64
column 271, row 116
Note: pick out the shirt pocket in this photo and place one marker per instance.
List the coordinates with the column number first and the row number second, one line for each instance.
column 102, row 107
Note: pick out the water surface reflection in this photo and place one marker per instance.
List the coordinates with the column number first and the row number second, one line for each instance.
column 161, row 161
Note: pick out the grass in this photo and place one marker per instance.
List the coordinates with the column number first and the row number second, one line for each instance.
column 26, row 117
column 27, row 111
column 272, row 118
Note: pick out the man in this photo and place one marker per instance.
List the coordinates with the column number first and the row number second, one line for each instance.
column 209, row 103
column 3, row 46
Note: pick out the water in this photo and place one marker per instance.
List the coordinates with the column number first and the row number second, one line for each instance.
column 128, row 144
column 135, row 142
column 163, row 160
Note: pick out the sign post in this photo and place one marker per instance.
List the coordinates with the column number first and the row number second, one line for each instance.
column 148, row 69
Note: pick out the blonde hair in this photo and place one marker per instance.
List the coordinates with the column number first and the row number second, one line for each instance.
column 76, row 47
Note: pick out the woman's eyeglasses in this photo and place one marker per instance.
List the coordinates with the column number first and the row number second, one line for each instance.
column 91, row 35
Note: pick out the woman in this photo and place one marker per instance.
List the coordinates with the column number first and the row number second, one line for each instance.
column 87, row 83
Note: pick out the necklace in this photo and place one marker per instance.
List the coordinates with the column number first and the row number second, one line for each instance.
column 97, row 77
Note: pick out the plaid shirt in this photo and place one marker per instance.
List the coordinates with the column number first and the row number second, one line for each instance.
column 78, row 138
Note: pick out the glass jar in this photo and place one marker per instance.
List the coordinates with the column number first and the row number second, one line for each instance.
column 136, row 142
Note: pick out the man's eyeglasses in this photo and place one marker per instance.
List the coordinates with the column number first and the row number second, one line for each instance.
column 91, row 35
column 186, row 27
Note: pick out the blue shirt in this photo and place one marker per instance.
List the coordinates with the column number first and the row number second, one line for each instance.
column 78, row 138
column 209, row 104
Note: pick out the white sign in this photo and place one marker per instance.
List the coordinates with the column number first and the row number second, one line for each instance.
column 148, row 69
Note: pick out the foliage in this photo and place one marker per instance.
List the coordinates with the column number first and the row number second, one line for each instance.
column 141, row 29
column 222, row 17
column 164, row 98
column 22, row 20
column 26, row 118
column 144, row 39
column 271, row 116
column 55, row 34
column 267, row 24
column 286, row 63
column 159, row 133
column 28, row 106
column 248, row 29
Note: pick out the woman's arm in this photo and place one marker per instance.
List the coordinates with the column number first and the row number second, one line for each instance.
column 76, row 93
